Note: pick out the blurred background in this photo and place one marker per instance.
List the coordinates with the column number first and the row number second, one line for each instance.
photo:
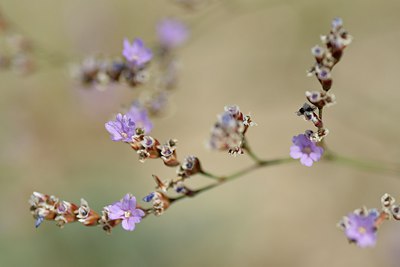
column 253, row 53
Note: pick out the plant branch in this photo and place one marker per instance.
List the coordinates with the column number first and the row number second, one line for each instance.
column 361, row 164
column 224, row 179
column 250, row 152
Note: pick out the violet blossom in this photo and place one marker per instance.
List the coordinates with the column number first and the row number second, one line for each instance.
column 126, row 210
column 306, row 150
column 122, row 129
column 360, row 228
column 171, row 33
column 136, row 53
column 138, row 114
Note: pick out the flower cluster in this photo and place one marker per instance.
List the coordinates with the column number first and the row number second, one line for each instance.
column 229, row 131
column 325, row 59
column 45, row 207
column 125, row 129
column 361, row 226
column 132, row 70
column 328, row 56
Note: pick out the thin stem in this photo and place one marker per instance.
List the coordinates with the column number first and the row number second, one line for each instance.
column 250, row 152
column 361, row 164
column 322, row 143
column 320, row 113
column 209, row 175
column 224, row 179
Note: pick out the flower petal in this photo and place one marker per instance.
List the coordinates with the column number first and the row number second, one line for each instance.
column 115, row 212
column 296, row 155
column 306, row 161
column 128, row 224
column 113, row 128
column 125, row 202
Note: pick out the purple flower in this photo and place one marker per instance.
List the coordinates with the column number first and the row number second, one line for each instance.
column 361, row 229
column 305, row 150
column 126, row 210
column 171, row 33
column 122, row 129
column 137, row 54
column 138, row 114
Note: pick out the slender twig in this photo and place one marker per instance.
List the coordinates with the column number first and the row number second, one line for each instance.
column 361, row 164
column 250, row 152
column 224, row 179
column 210, row 175
column 320, row 112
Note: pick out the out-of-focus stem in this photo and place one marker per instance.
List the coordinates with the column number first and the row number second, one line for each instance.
column 360, row 164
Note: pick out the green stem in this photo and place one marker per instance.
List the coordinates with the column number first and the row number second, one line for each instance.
column 361, row 164
column 250, row 152
column 209, row 175
column 224, row 179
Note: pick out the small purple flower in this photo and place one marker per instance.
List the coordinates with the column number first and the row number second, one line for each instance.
column 138, row 114
column 305, row 150
column 137, row 54
column 122, row 129
column 126, row 210
column 171, row 33
column 361, row 229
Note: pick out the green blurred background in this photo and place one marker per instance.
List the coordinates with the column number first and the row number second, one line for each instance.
column 253, row 53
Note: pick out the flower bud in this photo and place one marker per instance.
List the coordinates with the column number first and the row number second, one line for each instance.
column 387, row 200
column 85, row 215
column 395, row 210
column 189, row 167
column 66, row 213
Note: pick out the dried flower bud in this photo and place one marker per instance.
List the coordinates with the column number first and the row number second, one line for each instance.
column 387, row 200
column 43, row 206
column 143, row 155
column 318, row 52
column 316, row 136
column 395, row 210
column 168, row 153
column 309, row 115
column 85, row 215
column 305, row 108
column 324, row 77
column 148, row 142
column 189, row 167
column 66, row 213
column 161, row 202
column 320, row 98
column 146, row 146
